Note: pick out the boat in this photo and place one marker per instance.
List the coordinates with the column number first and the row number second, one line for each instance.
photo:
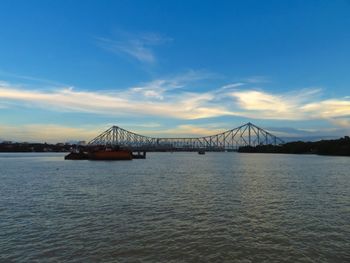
column 104, row 153
column 77, row 156
column 139, row 155
column 110, row 154
column 201, row 152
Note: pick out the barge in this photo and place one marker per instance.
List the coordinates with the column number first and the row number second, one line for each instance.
column 107, row 154
column 110, row 155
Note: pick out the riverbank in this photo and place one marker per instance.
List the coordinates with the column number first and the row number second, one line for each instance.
column 338, row 147
column 34, row 147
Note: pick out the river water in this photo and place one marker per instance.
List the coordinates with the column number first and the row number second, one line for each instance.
column 175, row 207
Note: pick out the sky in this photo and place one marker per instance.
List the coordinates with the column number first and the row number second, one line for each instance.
column 71, row 69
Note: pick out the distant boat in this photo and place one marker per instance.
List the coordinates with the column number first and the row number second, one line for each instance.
column 77, row 156
column 201, row 152
column 139, row 155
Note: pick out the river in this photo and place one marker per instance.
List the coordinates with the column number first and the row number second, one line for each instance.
column 175, row 207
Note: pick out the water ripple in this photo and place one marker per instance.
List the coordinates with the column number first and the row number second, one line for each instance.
column 179, row 207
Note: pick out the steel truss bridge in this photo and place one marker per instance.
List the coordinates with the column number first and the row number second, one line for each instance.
column 245, row 135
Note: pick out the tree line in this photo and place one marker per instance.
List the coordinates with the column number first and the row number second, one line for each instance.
column 324, row 147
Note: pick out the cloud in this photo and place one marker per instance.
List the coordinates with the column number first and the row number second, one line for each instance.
column 50, row 133
column 342, row 122
column 158, row 88
column 171, row 98
column 293, row 134
column 253, row 100
column 186, row 106
column 304, row 104
column 329, row 108
column 53, row 133
column 183, row 131
column 231, row 86
column 138, row 46
column 267, row 105
column 35, row 80
column 257, row 79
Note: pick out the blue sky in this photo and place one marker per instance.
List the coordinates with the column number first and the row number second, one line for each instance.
column 70, row 69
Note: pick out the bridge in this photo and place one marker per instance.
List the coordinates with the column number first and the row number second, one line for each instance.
column 245, row 135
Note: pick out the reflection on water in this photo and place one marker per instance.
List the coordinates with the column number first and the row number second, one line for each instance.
column 180, row 207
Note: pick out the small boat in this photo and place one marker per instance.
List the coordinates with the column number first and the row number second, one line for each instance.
column 77, row 156
column 201, row 152
column 139, row 155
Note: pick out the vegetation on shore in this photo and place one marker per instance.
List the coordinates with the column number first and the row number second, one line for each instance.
column 34, row 147
column 339, row 147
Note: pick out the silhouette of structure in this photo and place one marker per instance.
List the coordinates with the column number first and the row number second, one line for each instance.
column 245, row 135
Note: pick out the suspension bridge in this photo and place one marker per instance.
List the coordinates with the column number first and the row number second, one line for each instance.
column 245, row 135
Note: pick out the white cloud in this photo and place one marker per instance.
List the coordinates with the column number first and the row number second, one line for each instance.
column 170, row 98
column 257, row 79
column 342, row 122
column 184, row 131
column 53, row 133
column 50, row 133
column 35, row 80
column 262, row 101
column 155, row 89
column 158, row 88
column 138, row 46
column 304, row 104
column 329, row 108
column 231, row 86
column 186, row 106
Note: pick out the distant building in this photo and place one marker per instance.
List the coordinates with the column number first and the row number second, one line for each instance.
column 47, row 149
column 82, row 143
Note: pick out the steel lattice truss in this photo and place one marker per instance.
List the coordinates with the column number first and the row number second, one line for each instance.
column 245, row 135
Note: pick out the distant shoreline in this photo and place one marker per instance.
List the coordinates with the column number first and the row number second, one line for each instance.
column 9, row 147
column 338, row 147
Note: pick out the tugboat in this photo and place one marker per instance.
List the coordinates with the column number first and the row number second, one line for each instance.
column 201, row 151
column 76, row 155
column 138, row 155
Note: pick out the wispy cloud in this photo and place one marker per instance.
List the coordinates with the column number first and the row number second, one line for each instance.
column 288, row 106
column 146, row 99
column 138, row 46
column 257, row 79
column 32, row 79
column 50, row 133
column 330, row 108
column 184, row 130
column 171, row 98
column 342, row 122
column 292, row 134
column 189, row 107
column 161, row 87
column 53, row 133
